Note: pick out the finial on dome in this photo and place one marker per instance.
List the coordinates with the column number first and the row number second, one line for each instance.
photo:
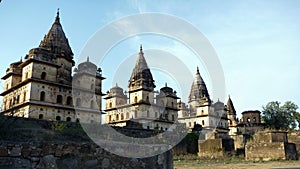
column 116, row 84
column 57, row 16
column 88, row 59
column 141, row 48
column 166, row 85
column 198, row 70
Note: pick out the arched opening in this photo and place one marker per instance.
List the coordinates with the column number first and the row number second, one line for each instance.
column 92, row 104
column 135, row 114
column 77, row 120
column 147, row 99
column 135, row 99
column 18, row 99
column 69, row 101
column 203, row 122
column 92, row 86
column 43, row 76
column 26, row 75
column 4, row 105
column 68, row 119
column 58, row 118
column 230, row 122
column 172, row 104
column 254, row 119
column 248, row 120
column 10, row 103
column 78, row 102
column 109, row 118
column 122, row 116
column 42, row 96
column 173, row 117
column 110, row 105
column 24, row 96
column 59, row 99
column 41, row 116
column 117, row 117
column 127, row 115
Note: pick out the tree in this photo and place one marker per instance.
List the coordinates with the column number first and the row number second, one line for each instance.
column 283, row 117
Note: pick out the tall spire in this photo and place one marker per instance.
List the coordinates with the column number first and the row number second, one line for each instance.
column 56, row 41
column 230, row 107
column 141, row 77
column 198, row 89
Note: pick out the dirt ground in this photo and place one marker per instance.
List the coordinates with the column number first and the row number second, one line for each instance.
column 237, row 165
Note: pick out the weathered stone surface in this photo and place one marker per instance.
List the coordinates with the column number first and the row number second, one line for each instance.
column 105, row 163
column 47, row 162
column 269, row 146
column 15, row 151
column 94, row 157
column 35, row 152
column 14, row 163
column 3, row 152
column 70, row 163
column 91, row 163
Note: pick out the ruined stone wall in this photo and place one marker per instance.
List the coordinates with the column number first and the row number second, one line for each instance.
column 238, row 141
column 73, row 156
column 294, row 137
column 31, row 143
column 269, row 145
column 211, row 148
column 180, row 148
column 264, row 151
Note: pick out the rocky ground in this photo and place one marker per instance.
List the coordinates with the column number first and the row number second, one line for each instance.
column 194, row 164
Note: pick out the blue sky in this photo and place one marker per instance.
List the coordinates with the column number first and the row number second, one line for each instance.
column 257, row 41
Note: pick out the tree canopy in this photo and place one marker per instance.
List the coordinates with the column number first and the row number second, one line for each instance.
column 283, row 117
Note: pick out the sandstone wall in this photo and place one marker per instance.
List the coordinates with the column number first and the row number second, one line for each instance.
column 215, row 148
column 264, row 151
column 294, row 137
column 269, row 145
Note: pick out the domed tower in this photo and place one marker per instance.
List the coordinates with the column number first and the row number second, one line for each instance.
column 87, row 83
column 199, row 95
column 115, row 97
column 167, row 99
column 141, row 83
